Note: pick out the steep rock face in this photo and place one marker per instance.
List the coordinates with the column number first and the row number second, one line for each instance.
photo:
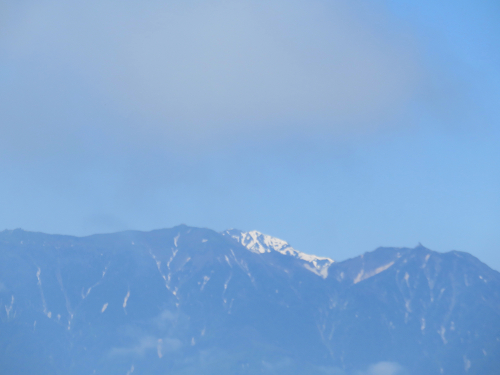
column 193, row 301
column 434, row 312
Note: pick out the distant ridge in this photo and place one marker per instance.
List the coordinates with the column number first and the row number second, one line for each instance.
column 188, row 300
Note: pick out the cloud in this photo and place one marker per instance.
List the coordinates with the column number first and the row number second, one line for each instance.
column 197, row 72
column 384, row 368
column 157, row 335
column 104, row 222
column 167, row 319
column 279, row 365
column 146, row 344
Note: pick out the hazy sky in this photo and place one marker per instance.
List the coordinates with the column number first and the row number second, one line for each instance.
column 339, row 126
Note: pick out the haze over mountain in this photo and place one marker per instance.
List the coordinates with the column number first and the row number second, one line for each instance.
column 194, row 301
column 333, row 124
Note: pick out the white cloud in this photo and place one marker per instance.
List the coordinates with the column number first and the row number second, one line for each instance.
column 148, row 343
column 384, row 368
column 199, row 70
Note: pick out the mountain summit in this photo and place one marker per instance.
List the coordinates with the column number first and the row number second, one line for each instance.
column 260, row 243
column 193, row 301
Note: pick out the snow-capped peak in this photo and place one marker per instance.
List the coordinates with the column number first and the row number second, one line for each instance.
column 260, row 243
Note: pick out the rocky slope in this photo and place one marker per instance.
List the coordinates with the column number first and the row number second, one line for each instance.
column 194, row 301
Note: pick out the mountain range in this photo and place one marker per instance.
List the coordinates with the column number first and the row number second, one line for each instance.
column 195, row 301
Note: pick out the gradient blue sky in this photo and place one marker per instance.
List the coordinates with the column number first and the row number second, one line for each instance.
column 339, row 126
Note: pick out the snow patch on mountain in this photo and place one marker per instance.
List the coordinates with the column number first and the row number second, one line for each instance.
column 260, row 243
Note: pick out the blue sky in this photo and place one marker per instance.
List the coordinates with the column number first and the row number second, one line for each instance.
column 339, row 126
